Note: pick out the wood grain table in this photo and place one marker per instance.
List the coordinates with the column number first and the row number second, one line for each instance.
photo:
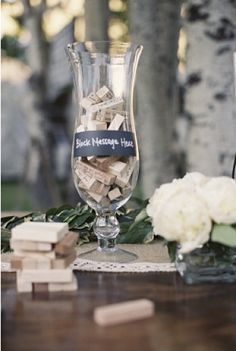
column 198, row 318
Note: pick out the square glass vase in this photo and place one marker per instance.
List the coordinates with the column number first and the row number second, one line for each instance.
column 212, row 263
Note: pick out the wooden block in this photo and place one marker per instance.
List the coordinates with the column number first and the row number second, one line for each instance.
column 37, row 255
column 115, row 103
column 91, row 158
column 104, row 93
column 95, row 98
column 37, row 231
column 118, row 168
column 43, row 264
column 40, row 287
column 47, row 276
column 30, row 245
column 114, row 194
column 90, row 100
column 65, row 246
column 63, row 286
column 91, row 172
column 87, row 178
column 16, row 262
column 97, row 197
column 29, row 263
column 124, row 312
column 22, row 285
column 60, row 263
column 84, row 120
column 122, row 181
column 80, row 128
column 44, row 247
column 103, row 163
column 116, row 122
column 105, row 115
column 96, row 125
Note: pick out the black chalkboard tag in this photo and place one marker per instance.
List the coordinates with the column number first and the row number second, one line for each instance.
column 104, row 143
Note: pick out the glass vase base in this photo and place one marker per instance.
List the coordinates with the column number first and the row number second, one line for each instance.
column 213, row 263
column 206, row 275
column 115, row 255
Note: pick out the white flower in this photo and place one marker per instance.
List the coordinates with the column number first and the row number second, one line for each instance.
column 164, row 193
column 184, row 218
column 219, row 193
column 196, row 178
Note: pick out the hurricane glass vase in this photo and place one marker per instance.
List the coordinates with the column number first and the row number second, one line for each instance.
column 105, row 157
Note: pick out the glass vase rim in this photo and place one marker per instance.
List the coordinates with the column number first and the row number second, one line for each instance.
column 112, row 43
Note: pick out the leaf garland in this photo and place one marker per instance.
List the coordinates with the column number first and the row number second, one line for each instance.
column 135, row 225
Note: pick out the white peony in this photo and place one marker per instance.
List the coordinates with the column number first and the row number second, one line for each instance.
column 219, row 193
column 164, row 193
column 196, row 178
column 184, row 218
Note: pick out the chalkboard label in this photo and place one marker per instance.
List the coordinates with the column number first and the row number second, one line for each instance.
column 104, row 143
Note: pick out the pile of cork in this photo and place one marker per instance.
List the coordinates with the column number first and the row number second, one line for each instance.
column 104, row 179
column 42, row 255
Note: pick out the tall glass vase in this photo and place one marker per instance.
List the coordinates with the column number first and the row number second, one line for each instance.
column 105, row 157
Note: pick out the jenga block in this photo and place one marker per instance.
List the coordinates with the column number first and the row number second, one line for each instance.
column 97, row 197
column 114, row 103
column 16, row 262
column 87, row 178
column 30, row 245
column 116, row 122
column 43, row 264
column 63, row 286
column 103, row 163
column 29, row 263
column 118, row 168
column 22, row 285
column 123, row 180
column 44, row 247
column 91, row 172
column 37, row 255
column 90, row 100
column 104, row 115
column 80, row 128
column 60, row 263
column 84, row 120
column 46, row 276
column 96, row 125
column 40, row 287
column 114, row 194
column 91, row 158
column 104, row 93
column 124, row 312
column 100, row 188
column 37, row 231
column 65, row 246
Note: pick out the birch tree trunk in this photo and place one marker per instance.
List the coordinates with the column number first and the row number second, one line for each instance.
column 39, row 169
column 155, row 25
column 210, row 104
column 96, row 19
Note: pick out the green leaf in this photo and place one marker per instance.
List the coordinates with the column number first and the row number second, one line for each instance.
column 224, row 234
column 172, row 248
column 139, row 234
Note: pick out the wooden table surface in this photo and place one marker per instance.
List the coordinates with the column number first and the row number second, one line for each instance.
column 198, row 318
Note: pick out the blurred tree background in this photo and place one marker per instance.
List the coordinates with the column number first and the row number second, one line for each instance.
column 185, row 102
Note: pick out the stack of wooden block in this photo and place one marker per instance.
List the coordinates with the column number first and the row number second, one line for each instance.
column 42, row 255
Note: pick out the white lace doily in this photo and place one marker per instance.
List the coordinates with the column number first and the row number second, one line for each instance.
column 139, row 267
column 151, row 258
